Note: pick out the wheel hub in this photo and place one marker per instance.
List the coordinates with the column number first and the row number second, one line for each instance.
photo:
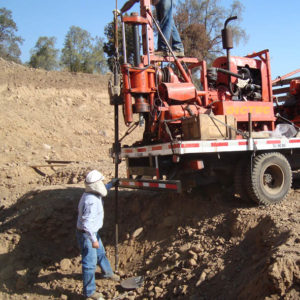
column 268, row 178
column 273, row 179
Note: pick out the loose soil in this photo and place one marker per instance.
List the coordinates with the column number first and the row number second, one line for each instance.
column 220, row 247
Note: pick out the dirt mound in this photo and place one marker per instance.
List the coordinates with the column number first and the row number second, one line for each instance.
column 51, row 116
column 55, row 127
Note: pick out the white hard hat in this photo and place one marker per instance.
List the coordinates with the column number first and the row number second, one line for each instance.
column 93, row 176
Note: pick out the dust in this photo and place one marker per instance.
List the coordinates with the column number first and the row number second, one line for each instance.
column 57, row 126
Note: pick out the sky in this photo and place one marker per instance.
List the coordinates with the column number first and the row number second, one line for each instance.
column 272, row 25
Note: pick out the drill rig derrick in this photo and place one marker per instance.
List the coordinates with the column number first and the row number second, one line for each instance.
column 165, row 96
column 149, row 89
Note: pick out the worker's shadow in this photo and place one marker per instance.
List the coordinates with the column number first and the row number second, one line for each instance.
column 39, row 231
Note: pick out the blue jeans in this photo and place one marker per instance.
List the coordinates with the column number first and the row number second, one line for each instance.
column 164, row 11
column 90, row 258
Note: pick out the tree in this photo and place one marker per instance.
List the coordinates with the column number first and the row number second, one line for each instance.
column 109, row 46
column 200, row 22
column 80, row 54
column 44, row 54
column 98, row 57
column 95, row 61
column 76, row 49
column 9, row 42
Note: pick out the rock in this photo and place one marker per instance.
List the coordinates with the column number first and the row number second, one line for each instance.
column 64, row 297
column 183, row 289
column 193, row 254
column 189, row 276
column 158, row 291
column 175, row 256
column 74, row 180
column 197, row 248
column 151, row 294
column 201, row 278
column 210, row 275
column 190, row 231
column 137, row 232
column 222, row 241
column 184, row 248
column 192, row 262
column 47, row 147
column 103, row 133
column 65, row 264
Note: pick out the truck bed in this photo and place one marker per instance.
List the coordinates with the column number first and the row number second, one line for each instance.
column 200, row 146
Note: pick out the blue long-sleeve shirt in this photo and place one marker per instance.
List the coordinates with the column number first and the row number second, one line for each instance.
column 91, row 213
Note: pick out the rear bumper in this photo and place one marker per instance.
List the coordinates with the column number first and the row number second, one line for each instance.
column 170, row 185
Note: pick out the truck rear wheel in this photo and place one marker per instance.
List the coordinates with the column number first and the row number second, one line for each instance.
column 270, row 179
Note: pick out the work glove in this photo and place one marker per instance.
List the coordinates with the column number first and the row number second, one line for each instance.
column 114, row 181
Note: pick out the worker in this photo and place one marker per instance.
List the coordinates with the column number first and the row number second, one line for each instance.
column 89, row 221
column 164, row 12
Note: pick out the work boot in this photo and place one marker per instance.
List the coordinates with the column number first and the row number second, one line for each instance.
column 161, row 53
column 179, row 53
column 95, row 296
column 113, row 277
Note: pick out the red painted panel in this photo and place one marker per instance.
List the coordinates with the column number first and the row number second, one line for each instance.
column 260, row 111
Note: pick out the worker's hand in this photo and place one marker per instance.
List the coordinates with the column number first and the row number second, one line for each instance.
column 114, row 181
column 117, row 11
column 95, row 245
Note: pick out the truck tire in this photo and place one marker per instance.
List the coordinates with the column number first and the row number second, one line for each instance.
column 240, row 188
column 270, row 179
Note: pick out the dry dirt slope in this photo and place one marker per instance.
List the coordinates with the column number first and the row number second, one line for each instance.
column 223, row 249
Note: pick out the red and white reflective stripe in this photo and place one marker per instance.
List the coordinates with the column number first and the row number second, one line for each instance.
column 294, row 141
column 186, row 147
column 193, row 145
column 272, row 142
column 219, row 144
column 130, row 183
column 155, row 148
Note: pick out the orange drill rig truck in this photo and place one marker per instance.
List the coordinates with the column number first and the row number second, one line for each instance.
column 235, row 127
